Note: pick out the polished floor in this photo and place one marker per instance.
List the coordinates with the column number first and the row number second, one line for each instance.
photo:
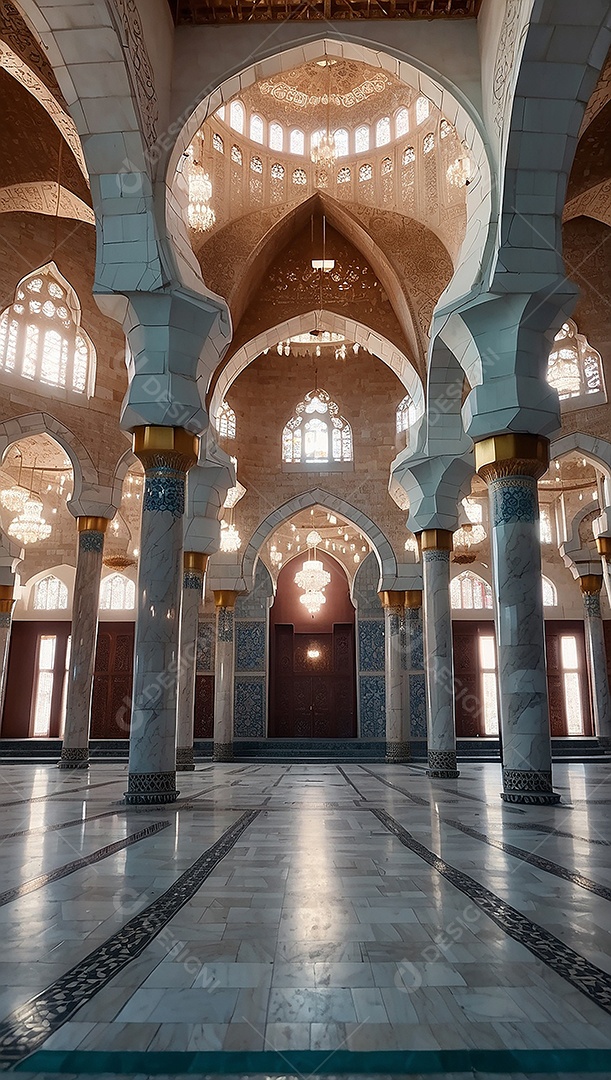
column 287, row 920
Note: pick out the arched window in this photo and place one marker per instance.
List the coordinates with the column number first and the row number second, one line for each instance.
column 299, row 177
column 383, row 131
column 545, row 525
column 41, row 339
column 409, row 155
column 316, row 433
column 428, row 143
column 315, row 138
column 50, row 594
column 236, row 116
column 297, row 141
column 225, row 421
column 344, row 175
column 550, row 596
column 361, row 139
column 256, row 164
column 276, row 137
column 422, row 109
column 256, row 128
column 386, row 166
column 220, row 113
column 277, row 171
column 118, row 593
column 405, row 414
column 365, row 172
column 236, row 155
column 445, row 129
column 342, row 142
column 574, row 368
column 217, row 143
column 401, row 122
column 470, row 592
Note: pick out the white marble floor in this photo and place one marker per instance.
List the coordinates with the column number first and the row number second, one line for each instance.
column 338, row 909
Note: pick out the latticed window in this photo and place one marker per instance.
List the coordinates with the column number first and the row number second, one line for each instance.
column 550, row 597
column 428, row 143
column 405, row 414
column 297, row 142
column 225, row 421
column 256, row 128
column 401, row 122
column 574, row 368
column 365, row 172
column 256, row 164
column 50, row 594
column 344, row 175
column 236, row 155
column 409, row 155
column 361, row 139
column 277, row 172
column 422, row 109
column 445, row 129
column 217, row 143
column 386, row 166
column 341, row 141
column 40, row 335
column 118, row 593
column 383, row 131
column 299, row 177
column 470, row 592
column 545, row 525
column 276, row 137
column 316, row 433
column 236, row 116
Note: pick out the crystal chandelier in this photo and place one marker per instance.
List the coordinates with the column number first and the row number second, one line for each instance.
column 230, row 537
column 275, row 556
column 411, row 545
column 29, row 527
column 323, row 153
column 14, row 499
column 312, row 577
column 313, row 601
column 201, row 214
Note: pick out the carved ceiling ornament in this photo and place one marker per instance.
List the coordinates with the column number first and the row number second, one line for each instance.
column 41, row 197
column 505, row 57
column 18, row 36
column 140, row 67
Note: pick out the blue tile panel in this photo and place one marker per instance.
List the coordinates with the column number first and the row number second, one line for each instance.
column 250, row 646
column 371, row 645
column 417, row 706
column 249, row 707
column 372, row 696
column 205, row 645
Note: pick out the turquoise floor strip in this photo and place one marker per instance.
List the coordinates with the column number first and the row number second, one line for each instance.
column 318, row 1062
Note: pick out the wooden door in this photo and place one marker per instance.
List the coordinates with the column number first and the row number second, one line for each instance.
column 313, row 684
column 112, row 681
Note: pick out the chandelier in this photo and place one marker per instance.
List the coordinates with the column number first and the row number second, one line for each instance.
column 275, row 556
column 411, row 545
column 312, row 577
column 230, row 537
column 29, row 527
column 470, row 534
column 201, row 214
column 14, row 499
column 323, row 153
column 313, row 601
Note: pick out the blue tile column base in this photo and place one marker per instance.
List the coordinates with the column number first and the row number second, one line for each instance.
column 74, row 757
column 150, row 789
column 222, row 752
column 531, row 798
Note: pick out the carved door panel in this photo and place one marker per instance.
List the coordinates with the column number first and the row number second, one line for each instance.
column 112, row 681
column 312, row 685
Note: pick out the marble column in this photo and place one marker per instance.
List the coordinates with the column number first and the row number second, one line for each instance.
column 435, row 547
column 511, row 464
column 7, row 604
column 166, row 454
column 591, row 585
column 194, row 568
column 397, row 746
column 224, row 665
column 84, row 636
column 413, row 653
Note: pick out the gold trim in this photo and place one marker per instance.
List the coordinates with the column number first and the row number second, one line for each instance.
column 392, row 598
column 6, row 607
column 92, row 524
column 166, row 447
column 225, row 598
column 195, row 560
column 435, row 540
column 413, row 598
column 7, row 592
column 511, row 454
column 603, row 545
column 591, row 583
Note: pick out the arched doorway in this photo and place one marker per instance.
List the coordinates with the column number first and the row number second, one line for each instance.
column 312, row 660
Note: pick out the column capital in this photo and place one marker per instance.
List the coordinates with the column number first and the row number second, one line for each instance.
column 6, row 599
column 195, row 561
column 413, row 598
column 392, row 598
column 225, row 598
column 435, row 540
column 591, row 583
column 511, row 454
column 603, row 546
column 165, row 447
column 92, row 524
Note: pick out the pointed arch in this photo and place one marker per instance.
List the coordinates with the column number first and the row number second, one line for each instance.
column 86, row 481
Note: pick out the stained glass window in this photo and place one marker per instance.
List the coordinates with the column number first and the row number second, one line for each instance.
column 317, row 433
column 574, row 368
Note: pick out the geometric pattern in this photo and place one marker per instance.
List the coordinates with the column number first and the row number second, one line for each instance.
column 372, row 695
column 442, row 764
column 591, row 605
column 527, row 780
column 417, row 706
column 31, row 1024
column 191, row 580
column 158, row 787
column 249, row 708
column 164, row 490
column 224, row 624
column 5, row 620
column 250, row 646
column 552, row 951
column 371, row 645
column 205, row 646
column 91, row 541
column 514, row 499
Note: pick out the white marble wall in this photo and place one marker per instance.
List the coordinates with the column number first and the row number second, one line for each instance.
column 75, row 746
column 397, row 747
column 192, row 582
column 152, row 753
column 441, row 727
column 224, row 685
column 523, row 702
column 597, row 668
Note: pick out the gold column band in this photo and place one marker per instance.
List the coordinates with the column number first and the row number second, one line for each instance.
column 435, row 540
column 194, row 560
column 392, row 598
column 173, row 447
column 603, row 544
column 591, row 583
column 511, row 454
column 413, row 598
column 225, row 598
column 92, row 524
column 6, row 599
